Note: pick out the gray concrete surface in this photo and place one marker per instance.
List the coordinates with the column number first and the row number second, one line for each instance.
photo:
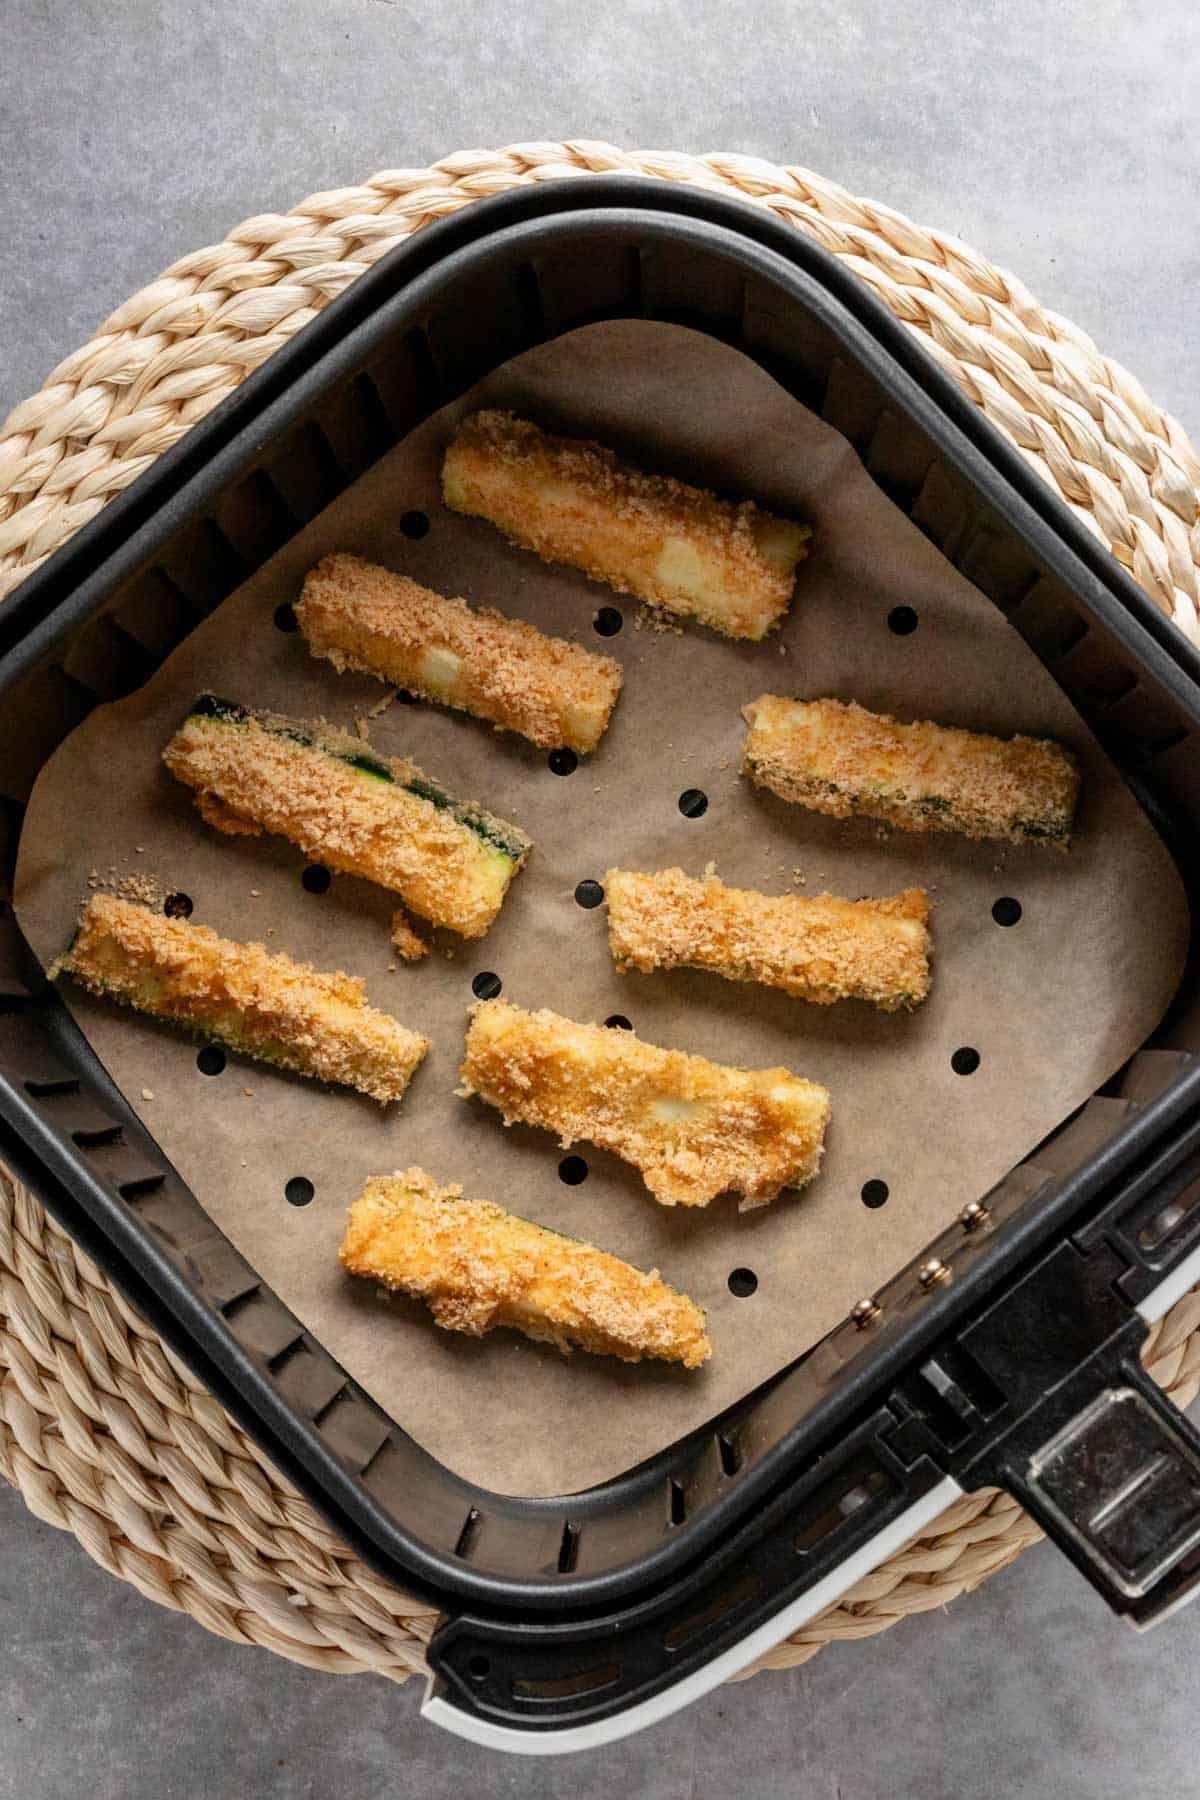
column 1061, row 139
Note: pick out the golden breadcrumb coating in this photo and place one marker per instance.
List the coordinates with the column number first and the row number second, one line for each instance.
column 260, row 1004
column 833, row 756
column 477, row 1266
column 676, row 547
column 345, row 806
column 694, row 1128
column 405, row 941
column 821, row 948
column 363, row 617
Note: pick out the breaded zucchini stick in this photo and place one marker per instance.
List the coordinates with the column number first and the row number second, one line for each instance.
column 694, row 1128
column 477, row 1266
column 260, row 1004
column 819, row 949
column 833, row 756
column 676, row 547
column 369, row 815
column 359, row 616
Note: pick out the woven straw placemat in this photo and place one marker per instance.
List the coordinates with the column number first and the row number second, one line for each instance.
column 103, row 1431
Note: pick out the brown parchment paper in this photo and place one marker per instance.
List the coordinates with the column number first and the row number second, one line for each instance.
column 1052, row 1005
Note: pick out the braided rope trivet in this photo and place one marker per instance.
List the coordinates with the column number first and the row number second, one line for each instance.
column 102, row 1430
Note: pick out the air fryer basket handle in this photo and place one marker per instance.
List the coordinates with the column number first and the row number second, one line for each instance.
column 1116, row 1484
column 1042, row 1392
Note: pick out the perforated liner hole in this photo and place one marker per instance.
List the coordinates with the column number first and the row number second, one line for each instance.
column 562, row 762
column 903, row 621
column 572, row 1170
column 486, row 985
column 298, row 1191
column 608, row 621
column 618, row 1022
column 178, row 906
column 414, row 524
column 874, row 1192
column 965, row 1061
column 1006, row 910
column 743, row 1283
column 693, row 803
column 478, row 1668
column 285, row 617
column 589, row 893
column 405, row 698
column 316, row 879
column 210, row 1060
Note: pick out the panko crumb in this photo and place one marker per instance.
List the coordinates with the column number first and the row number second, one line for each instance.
column 143, row 889
column 147, row 1093
column 405, row 941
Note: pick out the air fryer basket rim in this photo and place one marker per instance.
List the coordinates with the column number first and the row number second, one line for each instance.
column 106, row 553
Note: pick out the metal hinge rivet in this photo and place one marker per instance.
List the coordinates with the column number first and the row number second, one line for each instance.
column 973, row 1215
column 932, row 1272
column 865, row 1312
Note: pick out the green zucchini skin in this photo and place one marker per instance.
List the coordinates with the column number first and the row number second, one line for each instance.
column 490, row 830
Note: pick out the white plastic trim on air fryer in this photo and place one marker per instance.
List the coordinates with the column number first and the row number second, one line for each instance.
column 893, row 1537
column 1172, row 1289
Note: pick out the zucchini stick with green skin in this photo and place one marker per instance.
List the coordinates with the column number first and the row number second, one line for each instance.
column 694, row 1128
column 363, row 617
column 365, row 814
column 834, row 757
column 261, row 1004
column 477, row 1267
column 679, row 548
column 814, row 947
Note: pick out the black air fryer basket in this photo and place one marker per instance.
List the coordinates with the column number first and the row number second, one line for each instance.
column 1006, row 1355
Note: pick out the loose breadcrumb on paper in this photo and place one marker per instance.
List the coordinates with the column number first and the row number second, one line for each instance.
column 142, row 888
column 362, row 727
column 147, row 1093
column 405, row 940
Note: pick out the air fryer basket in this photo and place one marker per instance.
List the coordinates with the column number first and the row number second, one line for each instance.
column 1006, row 1354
